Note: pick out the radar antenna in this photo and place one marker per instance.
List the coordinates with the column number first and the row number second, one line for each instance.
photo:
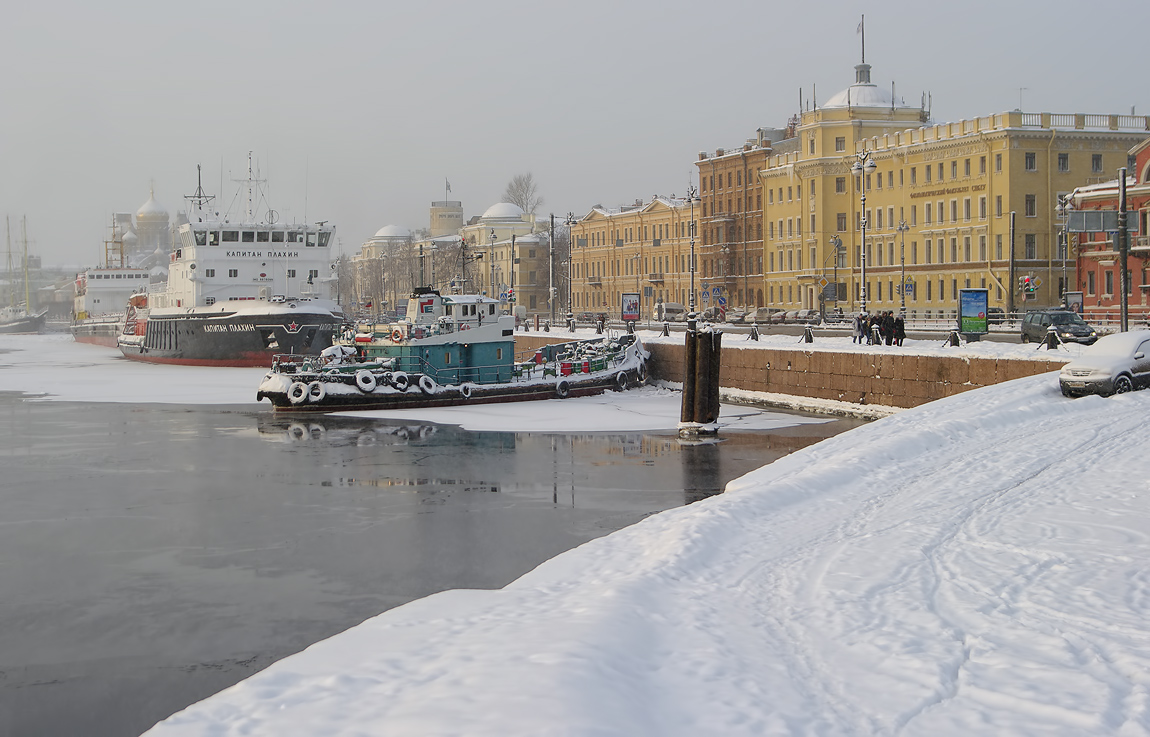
column 200, row 198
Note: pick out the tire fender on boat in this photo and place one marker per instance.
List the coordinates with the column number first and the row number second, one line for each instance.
column 621, row 380
column 562, row 389
column 365, row 380
column 297, row 392
column 316, row 391
column 465, row 391
column 400, row 380
column 426, row 384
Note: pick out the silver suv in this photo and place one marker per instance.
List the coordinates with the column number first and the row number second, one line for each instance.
column 1068, row 325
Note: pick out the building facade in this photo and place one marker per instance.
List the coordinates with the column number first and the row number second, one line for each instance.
column 938, row 202
column 643, row 248
column 1097, row 251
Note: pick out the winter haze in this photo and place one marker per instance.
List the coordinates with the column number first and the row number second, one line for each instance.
column 357, row 113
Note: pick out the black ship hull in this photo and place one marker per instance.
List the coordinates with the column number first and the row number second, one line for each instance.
column 249, row 339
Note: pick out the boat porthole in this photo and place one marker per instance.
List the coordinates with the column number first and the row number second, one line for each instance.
column 562, row 389
column 297, row 392
column 365, row 380
column 316, row 391
column 426, row 384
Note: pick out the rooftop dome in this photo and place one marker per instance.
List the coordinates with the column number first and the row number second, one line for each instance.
column 863, row 93
column 503, row 211
column 151, row 209
column 392, row 231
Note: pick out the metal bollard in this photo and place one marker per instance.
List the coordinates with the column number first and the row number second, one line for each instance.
column 1051, row 340
column 599, row 327
column 666, row 329
column 754, row 334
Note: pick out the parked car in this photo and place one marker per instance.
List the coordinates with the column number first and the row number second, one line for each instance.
column 1115, row 364
column 736, row 316
column 1068, row 325
column 780, row 316
column 807, row 317
column 670, row 312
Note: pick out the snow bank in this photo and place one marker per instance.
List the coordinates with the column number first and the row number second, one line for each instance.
column 972, row 566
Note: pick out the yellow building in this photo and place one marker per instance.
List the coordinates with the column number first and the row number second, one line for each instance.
column 731, row 226
column 509, row 249
column 643, row 248
column 951, row 186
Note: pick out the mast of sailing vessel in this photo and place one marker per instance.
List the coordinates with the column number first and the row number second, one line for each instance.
column 24, row 236
column 8, row 239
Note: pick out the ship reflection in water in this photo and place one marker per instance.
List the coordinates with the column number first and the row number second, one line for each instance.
column 594, row 463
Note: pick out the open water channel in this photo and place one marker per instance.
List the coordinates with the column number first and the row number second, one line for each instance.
column 152, row 555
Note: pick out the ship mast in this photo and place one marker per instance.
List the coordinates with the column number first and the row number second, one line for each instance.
column 8, row 238
column 200, row 198
column 24, row 237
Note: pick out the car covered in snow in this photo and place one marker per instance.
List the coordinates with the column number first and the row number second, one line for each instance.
column 1115, row 364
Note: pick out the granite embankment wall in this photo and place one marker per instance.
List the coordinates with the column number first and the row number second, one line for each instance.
column 888, row 379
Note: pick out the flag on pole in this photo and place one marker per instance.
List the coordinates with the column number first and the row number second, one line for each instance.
column 448, row 185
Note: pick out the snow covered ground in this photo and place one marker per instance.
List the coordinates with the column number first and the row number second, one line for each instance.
column 976, row 565
column 973, row 566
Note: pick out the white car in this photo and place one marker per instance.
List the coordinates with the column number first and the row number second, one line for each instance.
column 1115, row 364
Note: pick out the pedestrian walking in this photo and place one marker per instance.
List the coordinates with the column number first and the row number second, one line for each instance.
column 888, row 327
column 899, row 330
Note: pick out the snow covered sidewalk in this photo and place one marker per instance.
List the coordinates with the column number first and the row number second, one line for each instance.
column 973, row 566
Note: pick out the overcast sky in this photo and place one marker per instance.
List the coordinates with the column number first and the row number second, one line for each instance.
column 357, row 112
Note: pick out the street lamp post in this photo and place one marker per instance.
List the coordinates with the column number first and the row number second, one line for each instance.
column 570, row 273
column 902, row 228
column 692, row 197
column 551, row 268
column 838, row 244
column 1065, row 205
column 491, row 253
column 863, row 167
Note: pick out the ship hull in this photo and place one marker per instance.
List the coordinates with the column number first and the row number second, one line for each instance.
column 248, row 339
column 97, row 332
column 28, row 324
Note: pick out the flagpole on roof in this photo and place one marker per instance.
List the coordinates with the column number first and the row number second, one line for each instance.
column 862, row 32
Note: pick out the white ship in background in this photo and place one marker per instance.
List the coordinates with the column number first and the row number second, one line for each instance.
column 238, row 290
column 102, row 292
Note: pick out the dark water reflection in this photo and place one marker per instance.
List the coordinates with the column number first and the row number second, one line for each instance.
column 153, row 555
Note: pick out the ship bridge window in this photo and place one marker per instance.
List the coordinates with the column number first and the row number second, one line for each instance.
column 249, row 236
column 261, row 236
column 201, row 237
column 293, row 236
column 491, row 309
column 278, row 236
column 310, row 238
column 213, row 238
column 324, row 236
column 209, row 301
column 231, row 235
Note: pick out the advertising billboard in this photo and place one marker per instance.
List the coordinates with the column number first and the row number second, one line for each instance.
column 972, row 311
column 630, row 307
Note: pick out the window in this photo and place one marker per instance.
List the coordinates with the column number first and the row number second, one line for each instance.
column 941, row 213
column 954, row 170
column 954, row 211
column 231, row 236
column 966, row 248
column 841, row 143
column 878, row 219
column 914, row 175
column 278, row 236
column 926, row 211
column 1031, row 247
column 209, row 272
column 233, row 273
column 940, row 176
column 841, row 222
column 879, row 180
column 982, row 208
column 998, row 247
column 890, row 217
column 1096, row 163
column 954, row 250
column 291, row 273
column 1109, row 282
column 249, row 236
column 201, row 237
column 1063, row 163
column 998, row 162
column 1031, row 206
column 812, row 145
column 914, row 252
column 840, row 185
column 890, row 179
column 1031, row 161
column 966, row 208
column 927, row 170
column 966, row 167
column 1090, row 282
column 998, row 206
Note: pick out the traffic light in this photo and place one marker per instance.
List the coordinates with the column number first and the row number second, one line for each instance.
column 1026, row 285
column 510, row 295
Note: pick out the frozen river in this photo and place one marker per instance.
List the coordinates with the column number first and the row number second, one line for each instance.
column 155, row 554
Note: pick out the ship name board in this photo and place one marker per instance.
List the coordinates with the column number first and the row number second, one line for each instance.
column 262, row 254
column 232, row 328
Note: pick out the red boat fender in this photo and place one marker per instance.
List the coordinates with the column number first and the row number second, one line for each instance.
column 538, row 357
column 362, row 338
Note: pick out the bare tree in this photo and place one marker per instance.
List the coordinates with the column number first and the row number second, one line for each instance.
column 523, row 191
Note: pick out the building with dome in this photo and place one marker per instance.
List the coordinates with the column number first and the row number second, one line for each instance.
column 506, row 252
column 383, row 269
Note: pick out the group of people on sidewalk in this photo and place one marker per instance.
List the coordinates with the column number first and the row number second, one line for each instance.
column 881, row 327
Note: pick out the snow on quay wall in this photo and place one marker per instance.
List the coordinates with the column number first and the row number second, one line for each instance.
column 837, row 369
